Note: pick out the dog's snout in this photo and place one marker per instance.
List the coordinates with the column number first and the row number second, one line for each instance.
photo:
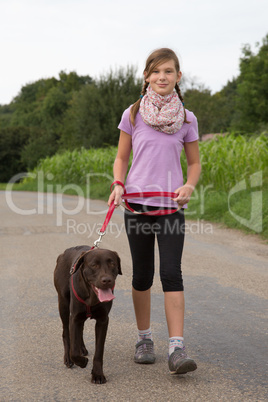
column 105, row 280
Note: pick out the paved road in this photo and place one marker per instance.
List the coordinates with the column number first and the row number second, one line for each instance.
column 225, row 276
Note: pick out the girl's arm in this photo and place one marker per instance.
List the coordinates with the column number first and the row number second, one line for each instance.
column 193, row 173
column 121, row 166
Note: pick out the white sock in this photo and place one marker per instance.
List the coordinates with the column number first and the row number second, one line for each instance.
column 175, row 342
column 144, row 334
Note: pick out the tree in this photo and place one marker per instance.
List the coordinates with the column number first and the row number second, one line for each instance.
column 199, row 100
column 6, row 112
column 95, row 111
column 81, row 123
column 223, row 107
column 40, row 107
column 12, row 140
column 252, row 89
column 40, row 144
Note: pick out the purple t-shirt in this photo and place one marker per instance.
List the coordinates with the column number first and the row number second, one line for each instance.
column 156, row 157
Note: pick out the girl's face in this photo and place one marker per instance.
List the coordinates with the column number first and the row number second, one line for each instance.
column 164, row 78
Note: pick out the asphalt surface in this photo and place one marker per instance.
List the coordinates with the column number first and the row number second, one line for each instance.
column 225, row 278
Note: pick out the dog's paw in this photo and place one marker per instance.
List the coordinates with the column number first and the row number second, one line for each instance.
column 83, row 361
column 68, row 362
column 98, row 378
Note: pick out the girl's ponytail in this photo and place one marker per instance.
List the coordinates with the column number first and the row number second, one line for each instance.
column 182, row 100
column 135, row 107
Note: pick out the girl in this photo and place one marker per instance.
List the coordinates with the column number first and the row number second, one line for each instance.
column 156, row 128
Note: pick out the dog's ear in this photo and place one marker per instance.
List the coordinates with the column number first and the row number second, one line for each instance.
column 118, row 263
column 78, row 262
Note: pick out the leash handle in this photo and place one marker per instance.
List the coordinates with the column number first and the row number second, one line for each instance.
column 149, row 194
column 117, row 182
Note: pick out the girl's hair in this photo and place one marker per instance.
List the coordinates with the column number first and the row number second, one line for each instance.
column 157, row 57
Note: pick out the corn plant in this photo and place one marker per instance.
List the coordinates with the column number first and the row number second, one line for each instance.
column 225, row 161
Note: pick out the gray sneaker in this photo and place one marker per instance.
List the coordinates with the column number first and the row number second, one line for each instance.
column 180, row 363
column 145, row 352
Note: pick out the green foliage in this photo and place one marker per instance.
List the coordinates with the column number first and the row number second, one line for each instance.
column 40, row 143
column 12, row 140
column 229, row 159
column 95, row 111
column 200, row 102
column 223, row 108
column 40, row 107
column 28, row 103
column 70, row 112
column 6, row 112
column 252, row 89
column 75, row 166
column 242, row 105
column 81, row 125
column 214, row 113
column 225, row 161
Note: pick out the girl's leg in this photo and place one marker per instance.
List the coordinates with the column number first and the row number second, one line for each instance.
column 141, row 241
column 144, row 349
column 174, row 309
column 142, row 308
column 170, row 237
column 170, row 241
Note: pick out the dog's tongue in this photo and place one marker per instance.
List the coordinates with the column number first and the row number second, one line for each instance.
column 105, row 295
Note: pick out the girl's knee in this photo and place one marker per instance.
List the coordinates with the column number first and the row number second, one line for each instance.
column 142, row 285
column 171, row 285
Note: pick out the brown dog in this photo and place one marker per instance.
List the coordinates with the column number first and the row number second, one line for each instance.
column 84, row 280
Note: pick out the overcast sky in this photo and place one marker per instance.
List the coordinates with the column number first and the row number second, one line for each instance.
column 39, row 38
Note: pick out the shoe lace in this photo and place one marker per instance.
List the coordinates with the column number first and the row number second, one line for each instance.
column 178, row 354
column 145, row 348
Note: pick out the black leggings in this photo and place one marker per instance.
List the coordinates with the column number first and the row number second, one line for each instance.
column 141, row 231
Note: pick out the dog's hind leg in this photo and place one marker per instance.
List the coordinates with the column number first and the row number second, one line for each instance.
column 64, row 311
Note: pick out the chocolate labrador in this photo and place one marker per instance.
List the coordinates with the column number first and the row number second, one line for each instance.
column 84, row 279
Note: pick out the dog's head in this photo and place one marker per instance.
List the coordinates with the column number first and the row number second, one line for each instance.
column 99, row 269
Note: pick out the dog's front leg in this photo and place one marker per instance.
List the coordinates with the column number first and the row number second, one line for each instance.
column 64, row 314
column 76, row 330
column 84, row 351
column 100, row 336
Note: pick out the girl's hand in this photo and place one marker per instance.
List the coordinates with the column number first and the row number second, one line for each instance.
column 184, row 194
column 115, row 196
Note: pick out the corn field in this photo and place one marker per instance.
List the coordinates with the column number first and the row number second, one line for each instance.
column 229, row 159
column 225, row 161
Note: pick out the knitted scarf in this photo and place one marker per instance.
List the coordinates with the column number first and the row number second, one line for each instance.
column 163, row 113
